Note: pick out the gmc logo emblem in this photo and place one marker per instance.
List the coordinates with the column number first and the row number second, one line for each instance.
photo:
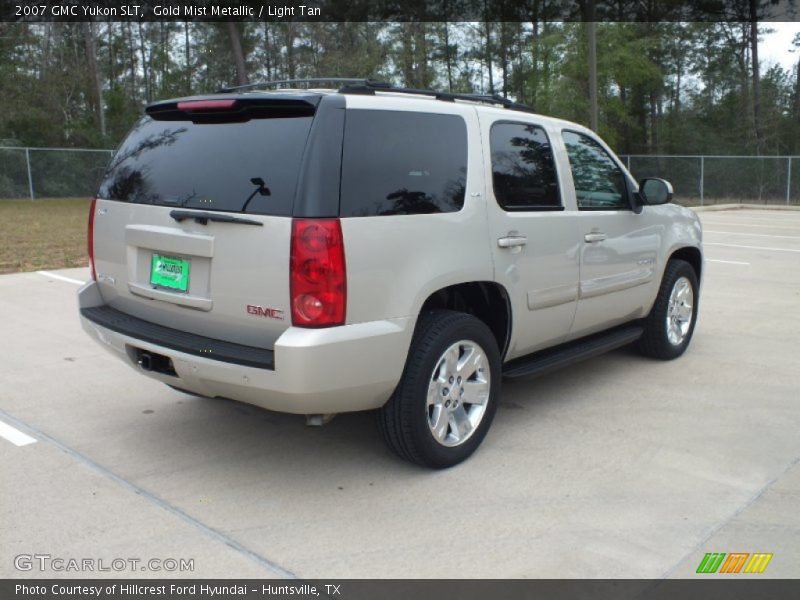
column 260, row 311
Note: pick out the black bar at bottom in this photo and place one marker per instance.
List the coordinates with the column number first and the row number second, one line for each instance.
column 704, row 587
column 182, row 341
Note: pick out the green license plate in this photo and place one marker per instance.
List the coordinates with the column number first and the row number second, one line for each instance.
column 169, row 272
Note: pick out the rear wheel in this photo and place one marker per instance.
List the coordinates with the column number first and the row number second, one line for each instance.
column 670, row 324
column 446, row 400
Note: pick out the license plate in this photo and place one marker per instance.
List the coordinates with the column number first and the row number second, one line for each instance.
column 169, row 272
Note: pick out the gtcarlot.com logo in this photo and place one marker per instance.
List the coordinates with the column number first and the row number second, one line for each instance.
column 735, row 562
column 48, row 562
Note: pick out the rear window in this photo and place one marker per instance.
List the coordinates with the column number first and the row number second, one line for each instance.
column 402, row 163
column 236, row 167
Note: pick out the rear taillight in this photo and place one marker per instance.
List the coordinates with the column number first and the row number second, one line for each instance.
column 318, row 278
column 90, row 239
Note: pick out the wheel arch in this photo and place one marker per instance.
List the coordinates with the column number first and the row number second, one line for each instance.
column 487, row 301
column 691, row 255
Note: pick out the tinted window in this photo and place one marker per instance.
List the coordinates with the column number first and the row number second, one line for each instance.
column 402, row 163
column 599, row 182
column 523, row 172
column 210, row 166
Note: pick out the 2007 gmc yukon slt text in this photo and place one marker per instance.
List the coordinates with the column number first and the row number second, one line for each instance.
column 321, row 251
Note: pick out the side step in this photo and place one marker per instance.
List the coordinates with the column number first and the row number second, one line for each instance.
column 552, row 359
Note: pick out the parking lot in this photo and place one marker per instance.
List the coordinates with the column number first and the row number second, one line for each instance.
column 615, row 468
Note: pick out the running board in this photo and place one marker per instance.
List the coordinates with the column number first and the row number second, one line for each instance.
column 552, row 359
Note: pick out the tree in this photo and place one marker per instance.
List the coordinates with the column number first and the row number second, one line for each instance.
column 591, row 41
column 754, row 9
column 659, row 85
column 236, row 50
column 96, row 84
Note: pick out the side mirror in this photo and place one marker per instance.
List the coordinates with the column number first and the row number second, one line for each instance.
column 655, row 191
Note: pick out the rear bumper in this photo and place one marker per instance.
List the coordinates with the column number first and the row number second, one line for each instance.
column 308, row 371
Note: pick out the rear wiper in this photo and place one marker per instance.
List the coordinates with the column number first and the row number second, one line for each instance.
column 204, row 217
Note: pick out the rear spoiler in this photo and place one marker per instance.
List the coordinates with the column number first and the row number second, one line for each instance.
column 215, row 109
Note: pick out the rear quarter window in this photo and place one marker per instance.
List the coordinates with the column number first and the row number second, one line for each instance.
column 402, row 163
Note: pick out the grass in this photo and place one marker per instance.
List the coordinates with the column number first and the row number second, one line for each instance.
column 43, row 234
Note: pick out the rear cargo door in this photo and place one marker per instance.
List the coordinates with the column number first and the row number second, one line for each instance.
column 193, row 218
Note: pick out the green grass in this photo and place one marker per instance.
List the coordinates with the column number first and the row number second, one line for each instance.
column 43, row 234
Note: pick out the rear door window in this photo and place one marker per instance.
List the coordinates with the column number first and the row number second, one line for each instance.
column 402, row 163
column 523, row 170
column 235, row 167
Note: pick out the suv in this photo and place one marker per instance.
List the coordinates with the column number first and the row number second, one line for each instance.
column 315, row 251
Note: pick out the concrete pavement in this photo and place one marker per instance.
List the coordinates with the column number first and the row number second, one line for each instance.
column 617, row 467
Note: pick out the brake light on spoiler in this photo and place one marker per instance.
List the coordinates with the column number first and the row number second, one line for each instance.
column 206, row 105
column 231, row 110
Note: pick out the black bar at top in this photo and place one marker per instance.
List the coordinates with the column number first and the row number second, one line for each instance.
column 392, row 10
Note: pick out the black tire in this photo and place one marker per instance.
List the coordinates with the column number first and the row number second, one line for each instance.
column 655, row 341
column 403, row 421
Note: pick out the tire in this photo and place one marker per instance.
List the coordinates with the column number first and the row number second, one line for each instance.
column 669, row 327
column 444, row 429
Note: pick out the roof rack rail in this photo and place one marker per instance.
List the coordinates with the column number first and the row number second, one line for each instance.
column 352, row 85
column 339, row 81
column 369, row 87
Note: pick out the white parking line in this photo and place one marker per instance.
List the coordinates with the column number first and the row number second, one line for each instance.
column 728, row 224
column 61, row 277
column 14, row 435
column 779, row 221
column 727, row 262
column 790, row 216
column 753, row 247
column 768, row 235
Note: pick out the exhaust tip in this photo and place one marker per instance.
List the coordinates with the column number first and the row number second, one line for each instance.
column 319, row 420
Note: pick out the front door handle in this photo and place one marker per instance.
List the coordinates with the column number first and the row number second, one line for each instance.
column 595, row 236
column 512, row 241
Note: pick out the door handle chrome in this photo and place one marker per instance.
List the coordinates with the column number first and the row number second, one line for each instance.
column 512, row 241
column 595, row 236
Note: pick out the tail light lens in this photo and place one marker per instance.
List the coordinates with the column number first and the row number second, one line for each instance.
column 318, row 278
column 90, row 239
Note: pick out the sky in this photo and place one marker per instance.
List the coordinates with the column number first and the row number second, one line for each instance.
column 775, row 47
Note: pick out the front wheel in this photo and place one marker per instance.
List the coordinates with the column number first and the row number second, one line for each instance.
column 670, row 325
column 447, row 397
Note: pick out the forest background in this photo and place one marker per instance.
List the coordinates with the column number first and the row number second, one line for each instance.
column 661, row 88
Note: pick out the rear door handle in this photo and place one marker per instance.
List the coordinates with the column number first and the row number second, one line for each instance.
column 595, row 236
column 512, row 241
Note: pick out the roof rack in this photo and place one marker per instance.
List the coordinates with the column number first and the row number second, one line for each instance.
column 370, row 87
column 339, row 81
column 350, row 85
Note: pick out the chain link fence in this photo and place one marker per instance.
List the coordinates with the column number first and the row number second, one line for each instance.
column 51, row 172
column 697, row 180
column 700, row 180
